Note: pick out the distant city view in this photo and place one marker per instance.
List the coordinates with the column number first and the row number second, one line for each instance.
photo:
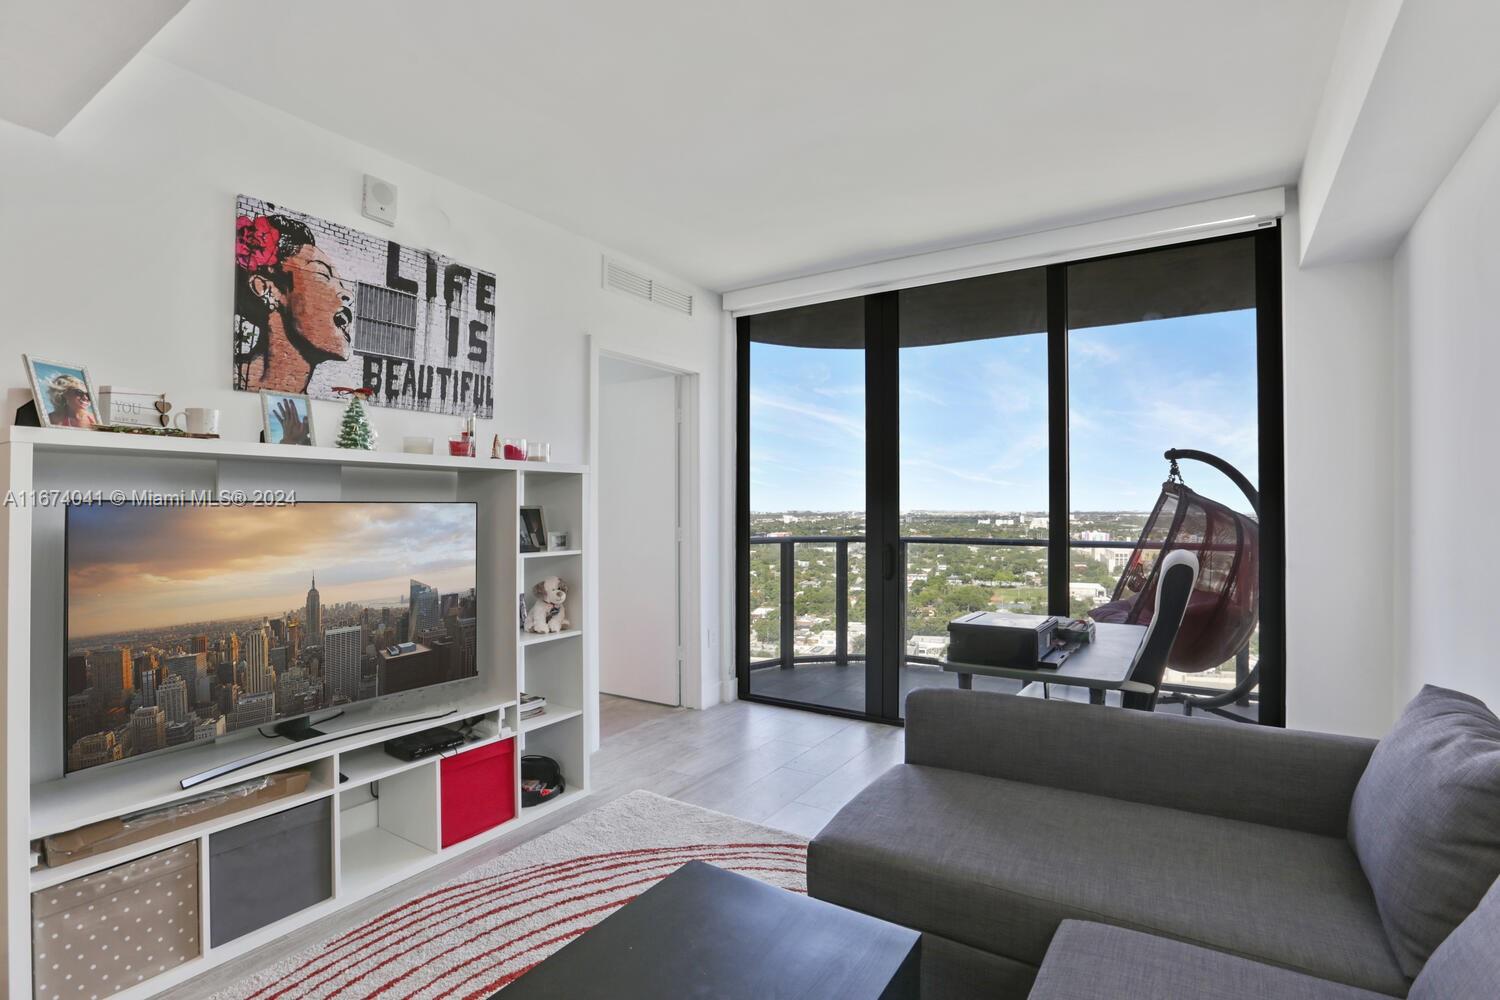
column 974, row 466
column 943, row 580
column 136, row 689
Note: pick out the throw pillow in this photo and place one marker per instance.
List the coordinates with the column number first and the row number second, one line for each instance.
column 1468, row 963
column 1425, row 820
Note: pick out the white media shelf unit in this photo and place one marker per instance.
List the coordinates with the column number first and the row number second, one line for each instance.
column 371, row 849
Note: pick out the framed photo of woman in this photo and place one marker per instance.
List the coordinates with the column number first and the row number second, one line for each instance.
column 63, row 393
column 288, row 417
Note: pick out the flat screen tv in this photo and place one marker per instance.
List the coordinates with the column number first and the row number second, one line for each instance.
column 188, row 623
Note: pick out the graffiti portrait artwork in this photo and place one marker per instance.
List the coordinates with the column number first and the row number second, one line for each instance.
column 319, row 305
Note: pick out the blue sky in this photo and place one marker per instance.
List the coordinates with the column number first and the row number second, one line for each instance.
column 974, row 418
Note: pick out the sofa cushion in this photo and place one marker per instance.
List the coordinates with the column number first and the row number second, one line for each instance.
column 998, row 864
column 1425, row 820
column 1089, row 961
column 1467, row 965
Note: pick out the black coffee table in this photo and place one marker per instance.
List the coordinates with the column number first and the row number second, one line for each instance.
column 703, row 933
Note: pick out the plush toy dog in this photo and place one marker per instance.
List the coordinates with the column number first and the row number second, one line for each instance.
column 547, row 614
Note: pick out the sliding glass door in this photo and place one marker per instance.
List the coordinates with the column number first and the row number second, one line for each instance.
column 996, row 443
column 1162, row 351
column 973, row 472
column 807, row 492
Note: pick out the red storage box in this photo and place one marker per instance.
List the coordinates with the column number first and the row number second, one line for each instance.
column 479, row 790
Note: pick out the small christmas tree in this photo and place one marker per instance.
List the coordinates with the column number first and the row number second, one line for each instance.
column 355, row 431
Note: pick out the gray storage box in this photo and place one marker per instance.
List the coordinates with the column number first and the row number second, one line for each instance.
column 269, row 869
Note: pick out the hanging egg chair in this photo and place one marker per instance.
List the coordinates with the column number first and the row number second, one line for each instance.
column 1225, row 604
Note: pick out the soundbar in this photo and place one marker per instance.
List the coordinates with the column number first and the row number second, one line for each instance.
column 221, row 770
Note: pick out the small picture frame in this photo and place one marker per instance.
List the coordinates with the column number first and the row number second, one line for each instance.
column 287, row 417
column 557, row 541
column 533, row 530
column 63, row 393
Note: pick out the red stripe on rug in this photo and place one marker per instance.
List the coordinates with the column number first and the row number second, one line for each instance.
column 512, row 942
column 509, row 877
column 550, row 867
column 480, row 900
column 481, row 896
column 515, row 974
column 473, row 893
column 564, row 938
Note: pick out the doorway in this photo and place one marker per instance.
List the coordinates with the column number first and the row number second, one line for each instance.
column 641, row 536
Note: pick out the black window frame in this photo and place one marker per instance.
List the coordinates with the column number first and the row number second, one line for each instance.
column 885, row 578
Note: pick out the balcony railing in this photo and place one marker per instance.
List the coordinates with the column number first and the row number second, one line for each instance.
column 788, row 657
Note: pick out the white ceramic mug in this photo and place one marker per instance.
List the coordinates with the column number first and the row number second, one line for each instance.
column 198, row 420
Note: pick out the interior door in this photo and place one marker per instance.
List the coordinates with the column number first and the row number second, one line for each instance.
column 639, row 533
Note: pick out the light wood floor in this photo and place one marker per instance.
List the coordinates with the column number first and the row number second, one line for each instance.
column 781, row 767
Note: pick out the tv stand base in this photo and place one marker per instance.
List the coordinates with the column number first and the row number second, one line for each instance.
column 297, row 730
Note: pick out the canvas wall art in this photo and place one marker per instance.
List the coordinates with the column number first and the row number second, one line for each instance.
column 319, row 305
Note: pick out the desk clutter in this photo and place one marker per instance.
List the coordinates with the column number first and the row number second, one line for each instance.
column 1006, row 639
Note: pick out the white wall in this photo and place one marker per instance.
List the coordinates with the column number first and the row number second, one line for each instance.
column 1338, row 382
column 1448, row 333
column 116, row 253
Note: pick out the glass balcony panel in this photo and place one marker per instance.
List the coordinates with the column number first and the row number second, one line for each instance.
column 944, row 581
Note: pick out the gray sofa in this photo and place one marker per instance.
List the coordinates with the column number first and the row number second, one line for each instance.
column 1125, row 854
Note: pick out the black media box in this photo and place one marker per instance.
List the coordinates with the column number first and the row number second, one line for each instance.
column 1000, row 639
column 419, row 745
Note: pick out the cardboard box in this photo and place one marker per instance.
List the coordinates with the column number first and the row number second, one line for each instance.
column 113, row 834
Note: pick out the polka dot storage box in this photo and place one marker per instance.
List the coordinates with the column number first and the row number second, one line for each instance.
column 108, row 931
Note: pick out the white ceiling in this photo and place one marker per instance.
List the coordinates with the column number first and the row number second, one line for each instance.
column 56, row 54
column 1415, row 81
column 732, row 143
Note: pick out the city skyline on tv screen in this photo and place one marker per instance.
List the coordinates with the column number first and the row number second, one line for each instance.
column 186, row 623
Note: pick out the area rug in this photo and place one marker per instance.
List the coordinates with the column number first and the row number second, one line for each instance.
column 484, row 930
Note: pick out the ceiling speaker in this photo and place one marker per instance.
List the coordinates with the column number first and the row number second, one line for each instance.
column 379, row 201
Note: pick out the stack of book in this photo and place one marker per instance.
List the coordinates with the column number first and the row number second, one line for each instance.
column 532, row 705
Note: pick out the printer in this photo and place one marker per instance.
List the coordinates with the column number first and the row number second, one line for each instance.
column 1002, row 639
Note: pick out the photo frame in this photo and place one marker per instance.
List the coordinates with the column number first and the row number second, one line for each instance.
column 557, row 541
column 533, row 530
column 63, row 393
column 287, row 418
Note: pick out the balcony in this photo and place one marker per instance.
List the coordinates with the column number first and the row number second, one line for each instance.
column 807, row 614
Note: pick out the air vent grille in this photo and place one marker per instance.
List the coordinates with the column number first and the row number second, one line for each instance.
column 622, row 278
column 672, row 298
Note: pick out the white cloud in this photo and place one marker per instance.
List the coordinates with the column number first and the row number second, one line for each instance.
column 849, row 424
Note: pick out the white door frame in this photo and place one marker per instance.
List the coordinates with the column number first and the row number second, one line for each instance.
column 689, row 380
